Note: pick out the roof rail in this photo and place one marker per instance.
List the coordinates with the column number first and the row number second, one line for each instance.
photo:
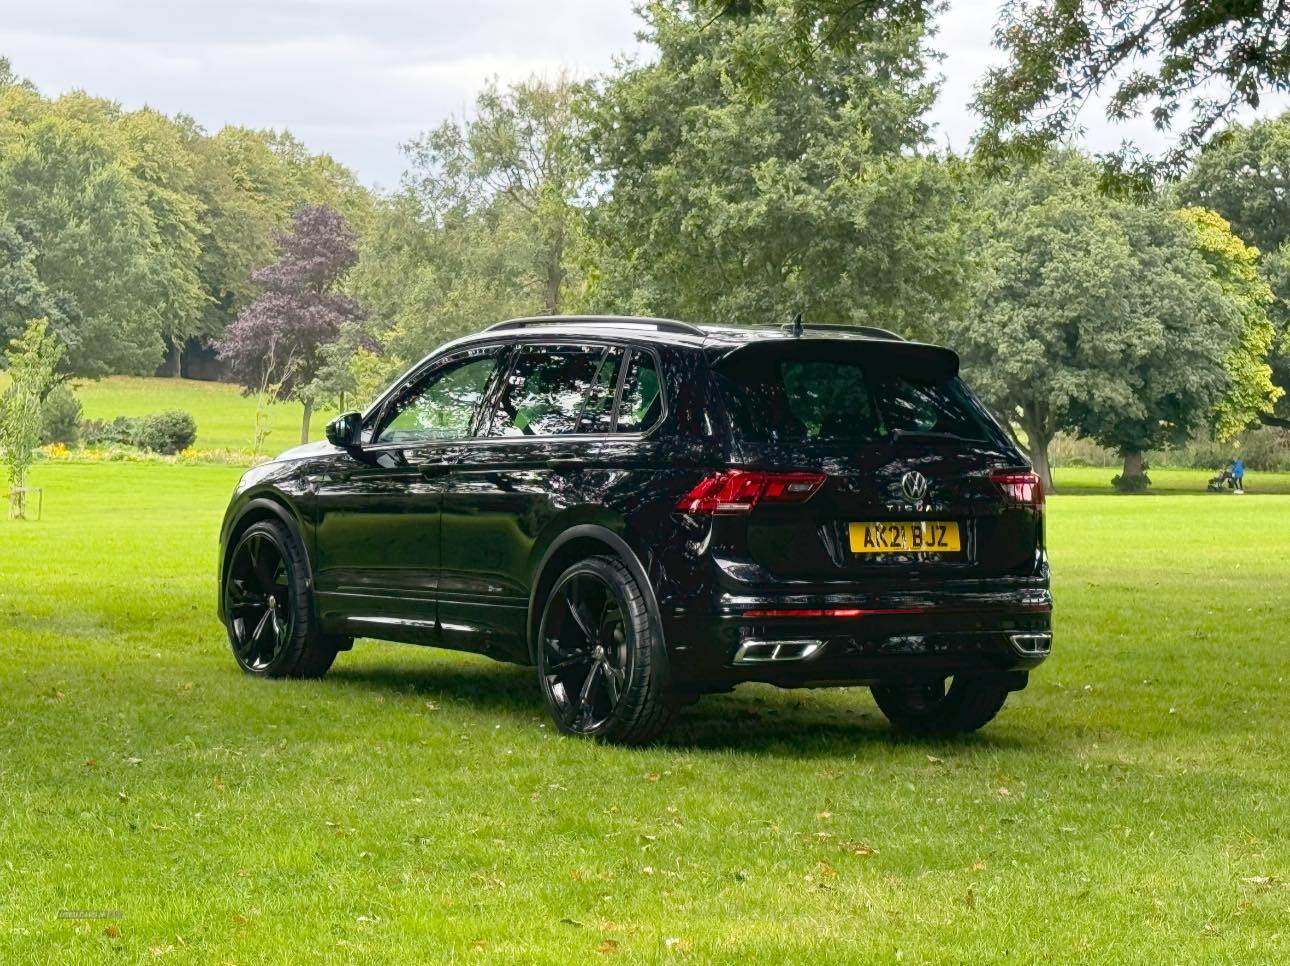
column 661, row 325
column 872, row 331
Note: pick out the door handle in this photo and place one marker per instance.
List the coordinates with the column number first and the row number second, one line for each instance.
column 564, row 462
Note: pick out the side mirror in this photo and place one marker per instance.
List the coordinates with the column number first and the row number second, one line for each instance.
column 346, row 431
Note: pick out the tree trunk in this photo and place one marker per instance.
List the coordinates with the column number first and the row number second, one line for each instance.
column 555, row 274
column 1038, row 438
column 1039, row 457
column 1133, row 463
column 304, row 424
column 177, row 359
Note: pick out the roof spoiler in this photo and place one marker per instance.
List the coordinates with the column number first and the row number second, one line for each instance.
column 917, row 361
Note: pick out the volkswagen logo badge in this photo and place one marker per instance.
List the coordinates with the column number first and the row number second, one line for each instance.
column 914, row 485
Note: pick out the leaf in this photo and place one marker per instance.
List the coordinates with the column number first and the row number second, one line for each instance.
column 608, row 948
column 111, row 931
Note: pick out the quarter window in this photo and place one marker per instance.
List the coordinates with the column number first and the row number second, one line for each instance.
column 546, row 389
column 642, row 400
column 441, row 406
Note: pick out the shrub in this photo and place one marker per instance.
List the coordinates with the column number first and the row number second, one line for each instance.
column 168, row 432
column 113, row 432
column 60, row 417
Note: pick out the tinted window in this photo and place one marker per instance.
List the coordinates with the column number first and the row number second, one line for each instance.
column 598, row 412
column 642, row 400
column 442, row 405
column 545, row 390
column 841, row 401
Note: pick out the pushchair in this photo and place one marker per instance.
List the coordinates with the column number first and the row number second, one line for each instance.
column 1226, row 480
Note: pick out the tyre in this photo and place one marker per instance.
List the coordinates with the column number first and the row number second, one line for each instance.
column 929, row 708
column 601, row 660
column 268, row 607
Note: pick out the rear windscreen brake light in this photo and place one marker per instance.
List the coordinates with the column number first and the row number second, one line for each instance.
column 738, row 491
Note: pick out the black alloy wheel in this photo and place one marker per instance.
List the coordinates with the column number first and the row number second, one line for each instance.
column 600, row 660
column 258, row 601
column 267, row 607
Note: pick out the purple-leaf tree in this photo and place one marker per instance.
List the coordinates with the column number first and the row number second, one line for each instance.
column 278, row 340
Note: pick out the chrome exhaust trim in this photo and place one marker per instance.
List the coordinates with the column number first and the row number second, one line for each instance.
column 1032, row 645
column 764, row 652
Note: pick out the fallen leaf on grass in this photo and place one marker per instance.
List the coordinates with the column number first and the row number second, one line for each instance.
column 608, row 948
column 859, row 848
column 978, row 867
column 112, row 932
column 572, row 922
column 933, row 759
column 1259, row 880
column 676, row 944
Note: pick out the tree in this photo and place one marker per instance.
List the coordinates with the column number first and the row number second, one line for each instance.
column 1250, row 391
column 24, row 295
column 1162, row 56
column 1092, row 315
column 1244, row 175
column 160, row 158
column 489, row 222
column 87, row 220
column 300, row 311
column 32, row 360
column 728, row 204
column 811, row 28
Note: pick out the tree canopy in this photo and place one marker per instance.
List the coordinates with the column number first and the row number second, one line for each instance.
column 280, row 339
column 141, row 230
column 725, row 205
column 1161, row 57
column 1093, row 315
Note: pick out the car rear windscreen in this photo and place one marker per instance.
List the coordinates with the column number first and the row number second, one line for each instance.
column 786, row 398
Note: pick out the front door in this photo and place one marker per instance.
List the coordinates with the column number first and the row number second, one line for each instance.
column 378, row 519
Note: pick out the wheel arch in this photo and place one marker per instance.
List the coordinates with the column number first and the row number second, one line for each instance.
column 256, row 510
column 574, row 544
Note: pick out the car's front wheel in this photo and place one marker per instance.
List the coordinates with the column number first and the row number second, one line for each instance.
column 601, row 660
column 931, row 708
column 267, row 608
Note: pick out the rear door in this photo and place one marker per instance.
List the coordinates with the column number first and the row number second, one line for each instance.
column 909, row 458
column 549, row 420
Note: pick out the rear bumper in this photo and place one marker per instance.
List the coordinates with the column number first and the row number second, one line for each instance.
column 802, row 641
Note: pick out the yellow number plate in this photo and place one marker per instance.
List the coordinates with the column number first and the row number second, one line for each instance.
column 923, row 536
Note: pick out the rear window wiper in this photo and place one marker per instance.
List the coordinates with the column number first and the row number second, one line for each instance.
column 899, row 434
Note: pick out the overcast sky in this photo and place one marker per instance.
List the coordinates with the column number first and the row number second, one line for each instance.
column 356, row 78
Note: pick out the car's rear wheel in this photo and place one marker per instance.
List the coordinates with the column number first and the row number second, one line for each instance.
column 267, row 608
column 932, row 708
column 600, row 656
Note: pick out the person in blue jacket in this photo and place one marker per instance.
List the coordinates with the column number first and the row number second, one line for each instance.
column 1238, row 473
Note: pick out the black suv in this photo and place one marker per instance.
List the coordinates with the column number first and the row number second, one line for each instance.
column 647, row 510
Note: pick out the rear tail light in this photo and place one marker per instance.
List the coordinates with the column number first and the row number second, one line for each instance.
column 1021, row 488
column 738, row 491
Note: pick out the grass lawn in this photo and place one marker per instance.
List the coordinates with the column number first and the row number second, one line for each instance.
column 1131, row 805
column 225, row 418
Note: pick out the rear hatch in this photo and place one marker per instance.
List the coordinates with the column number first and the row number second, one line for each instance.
column 917, row 476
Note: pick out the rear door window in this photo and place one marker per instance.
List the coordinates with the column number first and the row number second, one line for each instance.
column 546, row 389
